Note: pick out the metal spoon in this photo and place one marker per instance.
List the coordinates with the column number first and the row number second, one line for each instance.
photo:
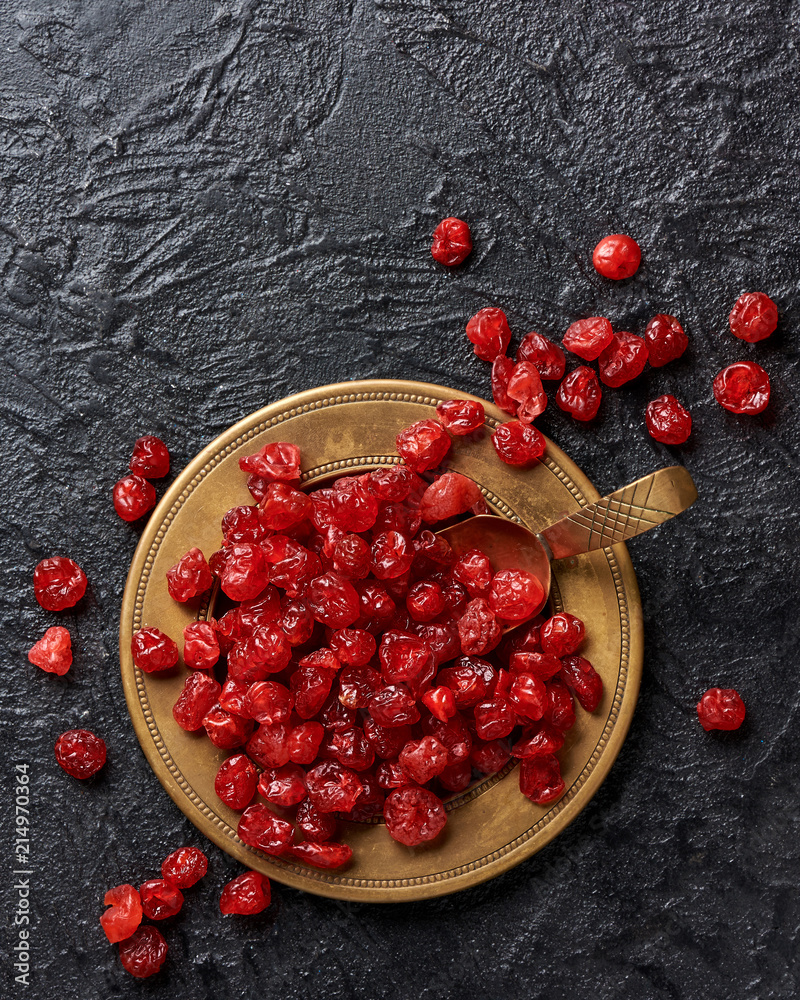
column 623, row 514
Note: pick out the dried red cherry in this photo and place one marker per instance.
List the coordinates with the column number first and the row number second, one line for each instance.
column 144, row 952
column 452, row 494
column 200, row 646
column 518, row 444
column 125, row 913
column 321, row 855
column 721, row 708
column 58, row 583
column 189, row 577
column 283, row 786
column 245, row 895
column 742, row 387
column 150, row 458
column 452, row 242
column 622, row 360
column 413, row 815
column 667, row 421
column 313, row 824
column 153, row 650
column 754, row 317
column 562, row 634
column 515, row 595
column 460, row 416
column 540, row 779
column 80, row 753
column 478, row 628
column 665, row 339
column 584, row 680
column 589, row 337
column 580, row 394
column 502, row 369
column 198, row 696
column 547, row 357
column 525, row 388
column 160, row 899
column 184, row 867
column 236, row 781
column 260, row 827
column 133, row 497
column 53, row 652
column 279, row 460
column 332, row 787
column 488, row 330
column 617, row 256
column 423, row 445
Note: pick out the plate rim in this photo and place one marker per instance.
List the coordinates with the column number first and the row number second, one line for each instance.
column 309, row 879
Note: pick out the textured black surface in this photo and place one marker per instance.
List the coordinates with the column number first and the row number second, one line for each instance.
column 208, row 206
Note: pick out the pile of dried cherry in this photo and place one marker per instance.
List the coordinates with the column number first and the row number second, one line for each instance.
column 366, row 669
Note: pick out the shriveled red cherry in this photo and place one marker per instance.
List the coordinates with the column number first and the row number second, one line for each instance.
column 198, row 696
column 539, row 740
column 440, row 702
column 392, row 555
column 245, row 573
column 560, row 711
column 144, row 952
column 518, row 444
column 413, row 815
column 283, row 507
column 667, row 421
column 665, row 339
column 742, row 387
column 525, row 387
column 58, row 583
column 580, row 394
column 423, row 445
column 353, row 646
column 160, row 899
column 184, row 867
column 460, row 416
column 515, row 595
column 200, row 646
column 393, row 705
column 189, row 577
column 133, row 497
column 332, row 787
column 562, row 634
column 547, row 357
column 53, row 652
column 542, row 665
column 754, row 317
column 80, row 753
column 452, row 494
column 528, row 696
column 277, row 461
column 488, row 330
column 226, row 730
column 236, row 781
column 423, row 759
column 283, row 786
column 494, row 719
column 589, row 337
column 245, row 895
column 478, row 628
column 474, row 570
column 124, row 914
column 540, row 779
column 260, row 827
column 721, row 708
column 325, row 855
column 313, row 824
column 150, row 457
column 581, row 677
column 617, row 257
column 153, row 650
column 452, row 242
column 622, row 360
column 502, row 369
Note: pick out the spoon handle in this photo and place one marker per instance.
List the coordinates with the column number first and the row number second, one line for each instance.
column 623, row 514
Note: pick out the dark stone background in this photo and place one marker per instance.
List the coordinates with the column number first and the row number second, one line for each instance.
column 208, row 206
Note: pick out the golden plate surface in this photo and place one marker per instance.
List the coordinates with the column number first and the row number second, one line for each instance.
column 352, row 426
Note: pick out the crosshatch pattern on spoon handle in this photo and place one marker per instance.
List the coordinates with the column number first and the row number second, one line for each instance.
column 622, row 515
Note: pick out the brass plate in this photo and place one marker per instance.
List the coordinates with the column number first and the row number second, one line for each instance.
column 491, row 827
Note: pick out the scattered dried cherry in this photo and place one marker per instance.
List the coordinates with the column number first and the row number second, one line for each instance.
column 80, row 753
column 332, row 787
column 540, row 778
column 721, row 708
column 160, row 899
column 150, row 458
column 133, row 497
column 283, row 786
column 189, row 577
column 515, row 595
column 452, row 242
column 583, row 679
column 525, row 388
column 246, row 895
column 547, row 357
column 580, row 394
column 617, row 257
column 665, row 340
column 488, row 330
column 478, row 628
column 200, row 646
column 313, row 824
column 622, row 360
column 754, row 317
column 153, row 650
column 53, row 652
column 667, row 421
column 184, row 867
column 58, row 583
column 144, row 952
column 502, row 369
column 236, row 781
column 260, row 827
column 199, row 695
column 562, row 634
column 125, row 913
column 423, row 445
column 589, row 337
column 277, row 461
column 518, row 444
column 742, row 387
